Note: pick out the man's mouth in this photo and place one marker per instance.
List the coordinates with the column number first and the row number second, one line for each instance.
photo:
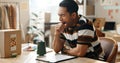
column 63, row 22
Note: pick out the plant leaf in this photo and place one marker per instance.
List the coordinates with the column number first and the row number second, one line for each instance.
column 35, row 14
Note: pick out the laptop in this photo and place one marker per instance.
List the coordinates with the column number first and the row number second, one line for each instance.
column 109, row 26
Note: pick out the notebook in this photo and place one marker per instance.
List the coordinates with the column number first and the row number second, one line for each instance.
column 54, row 58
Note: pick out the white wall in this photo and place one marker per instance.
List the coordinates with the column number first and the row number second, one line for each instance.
column 24, row 13
column 102, row 11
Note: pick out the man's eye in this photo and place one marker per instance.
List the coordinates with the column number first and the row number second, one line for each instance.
column 63, row 15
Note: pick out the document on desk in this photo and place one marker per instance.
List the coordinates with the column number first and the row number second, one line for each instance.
column 53, row 58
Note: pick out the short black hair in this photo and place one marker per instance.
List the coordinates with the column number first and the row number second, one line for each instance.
column 71, row 5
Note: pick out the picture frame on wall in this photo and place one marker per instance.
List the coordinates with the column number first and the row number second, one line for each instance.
column 106, row 2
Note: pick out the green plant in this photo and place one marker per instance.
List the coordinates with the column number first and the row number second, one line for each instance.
column 34, row 28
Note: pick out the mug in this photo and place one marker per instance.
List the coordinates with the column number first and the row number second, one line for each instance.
column 41, row 48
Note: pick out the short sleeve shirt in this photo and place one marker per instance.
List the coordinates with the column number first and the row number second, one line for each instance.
column 84, row 33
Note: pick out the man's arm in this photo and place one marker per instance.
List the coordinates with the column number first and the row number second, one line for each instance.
column 58, row 43
column 80, row 50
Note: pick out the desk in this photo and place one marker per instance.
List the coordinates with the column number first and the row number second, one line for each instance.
column 113, row 34
column 30, row 57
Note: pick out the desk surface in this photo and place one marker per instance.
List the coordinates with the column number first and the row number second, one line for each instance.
column 30, row 57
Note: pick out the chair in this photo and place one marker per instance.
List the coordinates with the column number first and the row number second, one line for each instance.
column 110, row 48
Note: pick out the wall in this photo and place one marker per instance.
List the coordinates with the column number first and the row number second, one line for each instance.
column 110, row 12
column 24, row 14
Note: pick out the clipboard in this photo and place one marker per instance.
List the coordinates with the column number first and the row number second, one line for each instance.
column 54, row 58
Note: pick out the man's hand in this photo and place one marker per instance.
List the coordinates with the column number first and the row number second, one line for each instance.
column 60, row 28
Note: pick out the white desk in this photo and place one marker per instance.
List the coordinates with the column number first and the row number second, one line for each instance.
column 113, row 34
column 30, row 57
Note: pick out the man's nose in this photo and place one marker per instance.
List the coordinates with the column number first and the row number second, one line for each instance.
column 60, row 18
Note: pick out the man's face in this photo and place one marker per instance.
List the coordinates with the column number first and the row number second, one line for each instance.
column 65, row 17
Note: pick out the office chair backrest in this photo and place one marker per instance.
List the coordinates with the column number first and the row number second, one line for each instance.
column 110, row 48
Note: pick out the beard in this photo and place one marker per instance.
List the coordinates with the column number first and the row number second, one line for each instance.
column 70, row 24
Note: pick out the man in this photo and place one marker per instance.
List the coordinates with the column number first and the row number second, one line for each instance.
column 77, row 31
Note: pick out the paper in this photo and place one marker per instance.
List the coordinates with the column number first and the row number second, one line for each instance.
column 52, row 57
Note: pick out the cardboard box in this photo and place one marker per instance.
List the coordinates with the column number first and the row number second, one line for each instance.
column 10, row 43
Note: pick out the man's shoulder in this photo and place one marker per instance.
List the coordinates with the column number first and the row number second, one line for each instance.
column 83, row 20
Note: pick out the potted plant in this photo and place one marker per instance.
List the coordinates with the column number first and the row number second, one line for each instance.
column 34, row 30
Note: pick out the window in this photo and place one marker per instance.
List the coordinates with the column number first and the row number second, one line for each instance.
column 51, row 6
